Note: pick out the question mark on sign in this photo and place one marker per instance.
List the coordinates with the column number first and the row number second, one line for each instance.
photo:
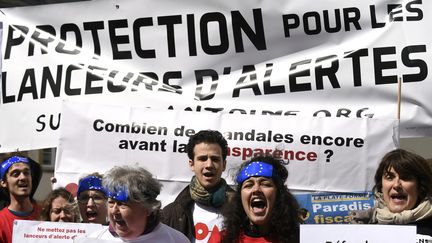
column 328, row 153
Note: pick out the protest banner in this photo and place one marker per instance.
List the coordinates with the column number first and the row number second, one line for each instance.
column 1, row 53
column 325, row 154
column 310, row 59
column 350, row 233
column 30, row 231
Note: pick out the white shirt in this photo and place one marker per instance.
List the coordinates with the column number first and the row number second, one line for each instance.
column 161, row 233
column 207, row 220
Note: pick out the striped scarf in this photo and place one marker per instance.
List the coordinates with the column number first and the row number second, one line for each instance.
column 215, row 197
column 383, row 215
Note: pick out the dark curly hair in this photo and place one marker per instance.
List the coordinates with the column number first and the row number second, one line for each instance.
column 285, row 216
column 36, row 174
column 207, row 136
column 408, row 165
column 56, row 193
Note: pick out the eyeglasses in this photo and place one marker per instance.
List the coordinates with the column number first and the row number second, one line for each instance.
column 83, row 199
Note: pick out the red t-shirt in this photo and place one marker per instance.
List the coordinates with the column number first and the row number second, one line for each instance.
column 6, row 222
column 216, row 238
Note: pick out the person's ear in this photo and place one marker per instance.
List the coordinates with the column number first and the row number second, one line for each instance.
column 191, row 165
column 3, row 184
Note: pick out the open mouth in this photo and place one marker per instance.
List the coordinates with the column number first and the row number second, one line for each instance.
column 258, row 205
column 91, row 215
column 120, row 223
column 208, row 174
column 398, row 197
column 23, row 185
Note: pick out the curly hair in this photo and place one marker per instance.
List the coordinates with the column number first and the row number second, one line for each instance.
column 36, row 174
column 408, row 165
column 207, row 136
column 56, row 193
column 285, row 217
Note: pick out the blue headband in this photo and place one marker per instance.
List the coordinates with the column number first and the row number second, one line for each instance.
column 119, row 194
column 255, row 168
column 9, row 162
column 91, row 183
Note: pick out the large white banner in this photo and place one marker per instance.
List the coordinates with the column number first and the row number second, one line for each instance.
column 315, row 58
column 321, row 154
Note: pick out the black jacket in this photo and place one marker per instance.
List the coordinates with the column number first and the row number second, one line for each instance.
column 424, row 227
column 178, row 214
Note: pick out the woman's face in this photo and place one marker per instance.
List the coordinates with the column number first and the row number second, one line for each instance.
column 61, row 211
column 92, row 206
column 258, row 195
column 399, row 193
column 129, row 219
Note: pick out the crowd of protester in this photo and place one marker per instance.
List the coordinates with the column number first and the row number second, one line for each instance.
column 258, row 208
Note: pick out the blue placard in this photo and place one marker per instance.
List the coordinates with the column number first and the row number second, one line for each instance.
column 332, row 208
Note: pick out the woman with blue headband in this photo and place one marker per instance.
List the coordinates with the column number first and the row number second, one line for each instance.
column 262, row 209
column 92, row 199
column 133, row 210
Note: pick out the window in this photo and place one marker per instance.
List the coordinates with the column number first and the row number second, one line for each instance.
column 47, row 158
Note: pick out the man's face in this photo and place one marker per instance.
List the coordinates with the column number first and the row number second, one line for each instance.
column 207, row 164
column 18, row 180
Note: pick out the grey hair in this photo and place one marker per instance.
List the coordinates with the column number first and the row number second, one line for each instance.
column 140, row 185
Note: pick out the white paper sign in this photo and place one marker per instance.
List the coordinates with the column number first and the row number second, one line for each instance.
column 30, row 231
column 354, row 233
column 424, row 238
